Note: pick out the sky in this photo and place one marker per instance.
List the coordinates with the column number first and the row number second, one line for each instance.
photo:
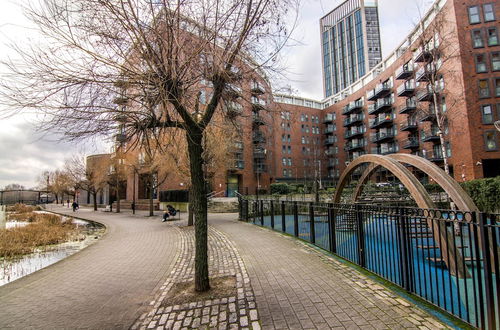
column 25, row 152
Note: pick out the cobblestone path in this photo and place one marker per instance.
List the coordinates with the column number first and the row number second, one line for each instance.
column 233, row 312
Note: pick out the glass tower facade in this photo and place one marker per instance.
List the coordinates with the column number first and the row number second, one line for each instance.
column 350, row 39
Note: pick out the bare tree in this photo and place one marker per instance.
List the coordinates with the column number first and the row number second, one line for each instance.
column 439, row 49
column 152, row 59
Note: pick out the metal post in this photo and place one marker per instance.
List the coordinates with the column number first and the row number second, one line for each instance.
column 361, row 236
column 283, row 217
column 295, row 219
column 402, row 238
column 312, row 233
column 488, row 273
column 261, row 213
column 331, row 229
column 272, row 214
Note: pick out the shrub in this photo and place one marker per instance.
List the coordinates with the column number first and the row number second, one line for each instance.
column 280, row 188
column 181, row 196
column 485, row 193
column 20, row 208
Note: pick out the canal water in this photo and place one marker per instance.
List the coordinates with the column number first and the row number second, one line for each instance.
column 13, row 269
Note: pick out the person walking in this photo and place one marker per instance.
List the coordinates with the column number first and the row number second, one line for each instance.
column 75, row 206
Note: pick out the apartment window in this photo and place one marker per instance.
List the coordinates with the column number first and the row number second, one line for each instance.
column 484, row 88
column 477, row 38
column 481, row 63
column 492, row 35
column 474, row 15
column 283, row 138
column 495, row 61
column 289, row 149
column 289, row 138
column 283, row 149
column 496, row 82
column 289, row 161
column 284, row 161
column 448, row 149
column 490, row 140
column 443, row 104
column 303, row 140
column 307, row 128
column 487, row 114
column 285, row 173
column 489, row 12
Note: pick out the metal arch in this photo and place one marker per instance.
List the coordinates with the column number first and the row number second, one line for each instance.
column 444, row 241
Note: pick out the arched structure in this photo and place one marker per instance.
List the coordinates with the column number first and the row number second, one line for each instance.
column 461, row 199
column 443, row 240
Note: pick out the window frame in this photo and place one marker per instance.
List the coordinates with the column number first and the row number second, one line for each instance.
column 492, row 54
column 478, row 14
column 492, row 12
column 496, row 84
column 495, row 140
column 488, row 29
column 485, row 62
column 481, row 34
column 488, row 89
column 483, row 115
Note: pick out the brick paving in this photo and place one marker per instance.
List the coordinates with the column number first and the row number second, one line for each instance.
column 124, row 279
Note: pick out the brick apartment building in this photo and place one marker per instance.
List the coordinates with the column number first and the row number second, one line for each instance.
column 451, row 60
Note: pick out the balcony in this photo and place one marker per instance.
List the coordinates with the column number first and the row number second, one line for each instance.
column 425, row 95
column 409, row 125
column 258, row 138
column 328, row 118
column 381, row 121
column 258, row 104
column 329, row 141
column 233, row 91
column 382, row 137
column 381, row 90
column 411, row 143
column 259, row 168
column 331, row 151
column 425, row 73
column 121, row 138
column 257, row 89
column 120, row 101
column 432, row 155
column 384, row 150
column 258, row 120
column 408, row 107
column 353, row 133
column 406, row 89
column 404, row 71
column 330, row 129
column 382, row 105
column 259, row 153
column 422, row 54
column 353, row 119
column 430, row 136
column 352, row 145
column 428, row 116
column 370, row 96
column 353, row 106
column 239, row 164
column 330, row 164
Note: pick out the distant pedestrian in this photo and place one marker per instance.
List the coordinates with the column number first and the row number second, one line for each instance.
column 75, row 206
column 165, row 216
column 68, row 202
column 133, row 207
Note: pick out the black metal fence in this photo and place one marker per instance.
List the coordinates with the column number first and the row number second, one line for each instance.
column 449, row 258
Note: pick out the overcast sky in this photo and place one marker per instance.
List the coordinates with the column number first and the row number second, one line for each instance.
column 24, row 153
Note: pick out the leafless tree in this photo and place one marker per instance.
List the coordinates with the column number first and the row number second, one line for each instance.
column 134, row 67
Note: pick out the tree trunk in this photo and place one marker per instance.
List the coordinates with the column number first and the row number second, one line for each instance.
column 95, row 200
column 151, row 195
column 190, row 209
column 117, row 198
column 199, row 207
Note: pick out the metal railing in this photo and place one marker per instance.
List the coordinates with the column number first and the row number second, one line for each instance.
column 407, row 246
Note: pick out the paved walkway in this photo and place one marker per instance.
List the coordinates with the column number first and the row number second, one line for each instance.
column 122, row 281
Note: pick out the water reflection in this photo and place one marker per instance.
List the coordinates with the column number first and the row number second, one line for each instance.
column 12, row 270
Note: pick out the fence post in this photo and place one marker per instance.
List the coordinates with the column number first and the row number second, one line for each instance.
column 402, row 238
column 295, row 219
column 312, row 233
column 331, row 228
column 361, row 236
column 246, row 210
column 272, row 214
column 261, row 202
column 488, row 273
column 283, row 217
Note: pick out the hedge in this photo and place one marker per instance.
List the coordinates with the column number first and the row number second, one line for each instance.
column 485, row 193
column 174, row 196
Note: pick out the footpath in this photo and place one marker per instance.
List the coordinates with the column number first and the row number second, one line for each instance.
column 125, row 279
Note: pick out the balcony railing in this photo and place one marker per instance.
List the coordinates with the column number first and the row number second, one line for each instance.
column 384, row 150
column 408, row 107
column 405, row 71
column 383, row 89
column 381, row 121
column 425, row 95
column 428, row 116
column 257, row 88
column 258, row 120
column 352, row 145
column 408, row 125
column 259, row 168
column 328, row 118
column 353, row 133
column 329, row 141
column 353, row 106
column 329, row 129
column 382, row 136
column 239, row 164
column 432, row 155
column 353, row 119
column 406, row 89
column 422, row 54
column 425, row 73
column 430, row 136
column 259, row 138
column 411, row 143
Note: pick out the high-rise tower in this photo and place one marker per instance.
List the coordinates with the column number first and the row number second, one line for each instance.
column 350, row 39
